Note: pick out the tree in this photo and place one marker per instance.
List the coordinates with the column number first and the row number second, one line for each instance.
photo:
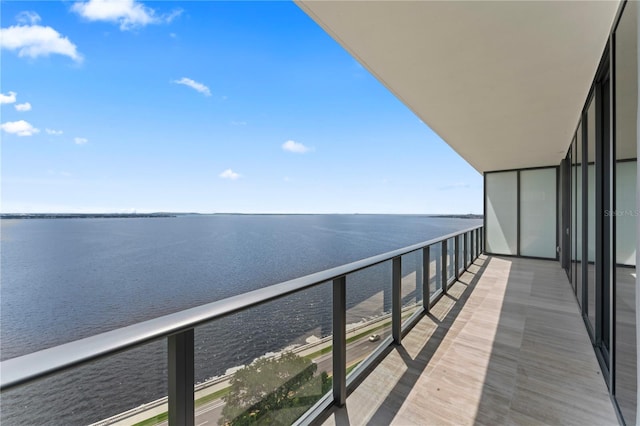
column 273, row 391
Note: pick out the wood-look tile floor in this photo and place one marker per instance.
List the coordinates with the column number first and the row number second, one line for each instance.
column 506, row 345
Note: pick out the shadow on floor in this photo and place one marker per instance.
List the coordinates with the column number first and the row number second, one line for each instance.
column 387, row 411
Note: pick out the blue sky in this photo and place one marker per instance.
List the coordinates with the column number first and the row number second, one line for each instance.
column 208, row 107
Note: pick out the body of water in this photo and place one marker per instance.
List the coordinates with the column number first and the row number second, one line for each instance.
column 65, row 279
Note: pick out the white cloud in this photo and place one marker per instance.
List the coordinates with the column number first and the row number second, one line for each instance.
column 80, row 141
column 169, row 17
column 23, row 107
column 8, row 99
column 28, row 17
column 297, row 147
column 229, row 174
column 35, row 40
column 129, row 14
column 20, row 128
column 194, row 85
column 53, row 132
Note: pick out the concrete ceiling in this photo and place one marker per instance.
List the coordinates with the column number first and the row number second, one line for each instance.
column 503, row 83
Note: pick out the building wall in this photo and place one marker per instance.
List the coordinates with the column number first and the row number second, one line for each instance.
column 601, row 212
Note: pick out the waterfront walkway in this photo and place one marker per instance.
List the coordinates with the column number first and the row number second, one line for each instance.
column 507, row 345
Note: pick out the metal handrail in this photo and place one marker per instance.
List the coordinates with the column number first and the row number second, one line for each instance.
column 37, row 365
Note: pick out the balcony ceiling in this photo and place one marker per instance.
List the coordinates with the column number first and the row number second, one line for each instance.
column 501, row 82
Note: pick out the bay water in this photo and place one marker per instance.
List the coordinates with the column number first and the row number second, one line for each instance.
column 65, row 279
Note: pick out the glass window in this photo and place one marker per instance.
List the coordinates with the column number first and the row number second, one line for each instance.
column 501, row 204
column 577, row 235
column 538, row 213
column 591, row 214
column 625, row 170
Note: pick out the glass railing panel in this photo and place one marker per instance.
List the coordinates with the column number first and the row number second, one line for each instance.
column 451, row 271
column 411, row 282
column 266, row 365
column 435, row 268
column 368, row 311
column 114, row 386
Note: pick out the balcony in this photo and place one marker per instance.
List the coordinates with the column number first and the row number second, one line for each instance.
column 506, row 345
column 501, row 342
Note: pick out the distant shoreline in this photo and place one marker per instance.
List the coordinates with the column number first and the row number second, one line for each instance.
column 82, row 215
column 150, row 215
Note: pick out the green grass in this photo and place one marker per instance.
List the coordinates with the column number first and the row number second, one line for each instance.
column 318, row 353
column 200, row 401
column 154, row 420
column 350, row 368
column 216, row 395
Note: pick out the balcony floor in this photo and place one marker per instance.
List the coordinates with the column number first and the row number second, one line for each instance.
column 507, row 345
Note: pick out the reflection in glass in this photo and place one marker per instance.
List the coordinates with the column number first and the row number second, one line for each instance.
column 626, row 90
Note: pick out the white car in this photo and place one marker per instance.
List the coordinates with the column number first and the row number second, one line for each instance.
column 374, row 337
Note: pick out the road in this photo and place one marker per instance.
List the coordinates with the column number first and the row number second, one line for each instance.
column 356, row 351
column 209, row 413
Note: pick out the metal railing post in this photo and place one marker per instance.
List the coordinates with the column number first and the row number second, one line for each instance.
column 465, row 251
column 426, row 277
column 474, row 245
column 181, row 378
column 396, row 300
column 445, row 268
column 472, row 242
column 340, row 341
column 456, row 255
